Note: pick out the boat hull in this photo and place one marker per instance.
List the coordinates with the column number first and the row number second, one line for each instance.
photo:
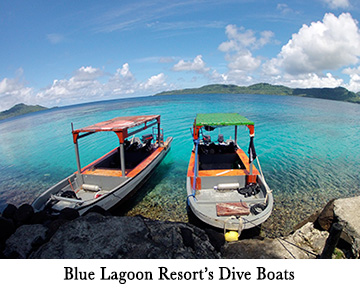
column 206, row 212
column 113, row 197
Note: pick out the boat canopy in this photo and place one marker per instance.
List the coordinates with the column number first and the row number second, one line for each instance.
column 221, row 119
column 119, row 125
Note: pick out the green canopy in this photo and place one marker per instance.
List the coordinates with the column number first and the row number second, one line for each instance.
column 219, row 119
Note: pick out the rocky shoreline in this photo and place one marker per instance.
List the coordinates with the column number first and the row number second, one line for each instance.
column 99, row 235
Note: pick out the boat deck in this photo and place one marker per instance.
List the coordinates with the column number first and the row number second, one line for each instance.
column 211, row 197
column 84, row 196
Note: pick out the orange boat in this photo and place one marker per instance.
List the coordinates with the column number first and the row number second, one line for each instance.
column 224, row 188
column 109, row 180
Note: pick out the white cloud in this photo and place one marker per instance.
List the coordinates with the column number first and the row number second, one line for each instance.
column 122, row 82
column 83, row 86
column 330, row 44
column 354, row 74
column 13, row 91
column 238, row 53
column 80, row 87
column 124, row 72
column 155, row 82
column 335, row 4
column 243, row 61
column 312, row 80
column 87, row 73
column 197, row 65
column 315, row 51
column 284, row 8
column 240, row 39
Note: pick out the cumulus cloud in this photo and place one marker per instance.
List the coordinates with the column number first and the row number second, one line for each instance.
column 13, row 91
column 197, row 65
column 330, row 44
column 83, row 86
column 312, row 80
column 78, row 88
column 238, row 49
column 315, row 50
column 87, row 73
column 240, row 39
column 354, row 74
column 155, row 83
column 335, row 4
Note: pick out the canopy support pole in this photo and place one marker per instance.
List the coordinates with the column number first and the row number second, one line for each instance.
column 122, row 159
column 236, row 134
column 159, row 133
column 81, row 181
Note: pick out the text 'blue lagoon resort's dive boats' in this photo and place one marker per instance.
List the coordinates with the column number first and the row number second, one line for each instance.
column 113, row 177
column 224, row 188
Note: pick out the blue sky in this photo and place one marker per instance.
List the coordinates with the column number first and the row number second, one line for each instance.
column 67, row 52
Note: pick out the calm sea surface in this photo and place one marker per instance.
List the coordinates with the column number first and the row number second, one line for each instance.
column 308, row 148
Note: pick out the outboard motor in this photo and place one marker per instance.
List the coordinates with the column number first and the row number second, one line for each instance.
column 146, row 139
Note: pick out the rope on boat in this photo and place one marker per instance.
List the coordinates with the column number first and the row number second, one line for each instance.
column 268, row 191
column 281, row 239
column 240, row 228
column 258, row 162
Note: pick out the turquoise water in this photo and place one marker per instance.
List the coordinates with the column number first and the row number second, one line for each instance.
column 308, row 148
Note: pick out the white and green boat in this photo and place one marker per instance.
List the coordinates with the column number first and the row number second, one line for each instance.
column 224, row 188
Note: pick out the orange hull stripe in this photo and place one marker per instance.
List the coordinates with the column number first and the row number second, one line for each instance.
column 89, row 166
column 229, row 172
column 116, row 172
column 140, row 167
column 105, row 172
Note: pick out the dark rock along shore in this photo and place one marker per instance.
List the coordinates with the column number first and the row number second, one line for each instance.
column 98, row 235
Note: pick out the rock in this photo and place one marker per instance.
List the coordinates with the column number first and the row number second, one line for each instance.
column 312, row 218
column 326, row 217
column 216, row 238
column 305, row 243
column 7, row 228
column 180, row 240
column 24, row 214
column 41, row 217
column 22, row 242
column 54, row 226
column 347, row 212
column 252, row 249
column 97, row 236
column 9, row 212
column 99, row 210
column 69, row 214
column 187, row 236
column 309, row 239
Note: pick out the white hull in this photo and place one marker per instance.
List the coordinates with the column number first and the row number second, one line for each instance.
column 109, row 199
column 205, row 210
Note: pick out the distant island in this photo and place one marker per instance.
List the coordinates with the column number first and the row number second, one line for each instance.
column 20, row 109
column 338, row 93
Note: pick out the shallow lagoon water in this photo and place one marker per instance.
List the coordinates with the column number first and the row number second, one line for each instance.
column 308, row 148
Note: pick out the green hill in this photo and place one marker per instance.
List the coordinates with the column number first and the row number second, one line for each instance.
column 20, row 109
column 338, row 93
